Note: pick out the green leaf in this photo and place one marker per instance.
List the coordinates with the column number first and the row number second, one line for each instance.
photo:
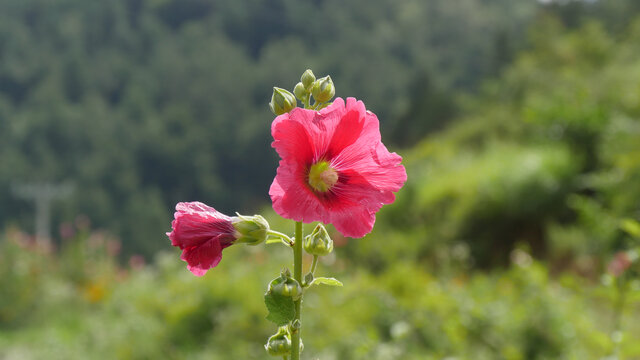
column 281, row 309
column 326, row 281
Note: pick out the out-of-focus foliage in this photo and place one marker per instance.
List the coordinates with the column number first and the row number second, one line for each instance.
column 143, row 103
column 80, row 305
column 549, row 155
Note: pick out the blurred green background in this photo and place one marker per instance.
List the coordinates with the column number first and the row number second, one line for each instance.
column 518, row 122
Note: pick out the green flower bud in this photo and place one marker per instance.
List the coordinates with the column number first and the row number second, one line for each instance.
column 285, row 285
column 318, row 242
column 300, row 92
column 282, row 101
column 323, row 89
column 250, row 230
column 279, row 344
column 307, row 79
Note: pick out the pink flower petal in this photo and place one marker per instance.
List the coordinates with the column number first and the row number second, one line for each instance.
column 202, row 258
column 196, row 223
column 348, row 137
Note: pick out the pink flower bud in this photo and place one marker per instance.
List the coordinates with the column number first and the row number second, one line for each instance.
column 201, row 232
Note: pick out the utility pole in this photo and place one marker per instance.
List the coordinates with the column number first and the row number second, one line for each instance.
column 42, row 194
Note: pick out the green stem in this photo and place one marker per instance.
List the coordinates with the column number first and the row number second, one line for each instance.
column 306, row 102
column 314, row 264
column 297, row 274
column 281, row 236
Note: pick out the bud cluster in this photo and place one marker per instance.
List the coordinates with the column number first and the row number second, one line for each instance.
column 322, row 90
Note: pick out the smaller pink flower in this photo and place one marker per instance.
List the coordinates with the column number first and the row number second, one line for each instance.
column 201, row 232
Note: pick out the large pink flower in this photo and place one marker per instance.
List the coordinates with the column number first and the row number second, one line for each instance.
column 334, row 168
column 201, row 232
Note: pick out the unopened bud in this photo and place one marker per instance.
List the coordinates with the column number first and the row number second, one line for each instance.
column 318, row 242
column 300, row 92
column 307, row 79
column 323, row 89
column 279, row 344
column 251, row 230
column 285, row 285
column 282, row 101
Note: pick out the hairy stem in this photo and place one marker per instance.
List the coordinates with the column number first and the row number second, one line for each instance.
column 297, row 274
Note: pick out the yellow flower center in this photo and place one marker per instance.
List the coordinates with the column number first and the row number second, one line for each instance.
column 322, row 176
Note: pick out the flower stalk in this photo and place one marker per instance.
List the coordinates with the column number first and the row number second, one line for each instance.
column 314, row 264
column 297, row 274
column 280, row 238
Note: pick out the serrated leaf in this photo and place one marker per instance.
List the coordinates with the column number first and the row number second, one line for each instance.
column 326, row 281
column 281, row 308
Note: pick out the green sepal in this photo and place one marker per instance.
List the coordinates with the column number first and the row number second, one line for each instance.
column 282, row 101
column 308, row 279
column 307, row 79
column 300, row 92
column 285, row 285
column 323, row 89
column 281, row 308
column 251, row 230
column 318, row 242
column 279, row 344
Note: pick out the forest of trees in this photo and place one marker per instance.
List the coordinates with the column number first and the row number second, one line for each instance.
column 140, row 104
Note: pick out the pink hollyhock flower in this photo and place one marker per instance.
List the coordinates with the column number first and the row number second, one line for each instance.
column 334, row 167
column 201, row 232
